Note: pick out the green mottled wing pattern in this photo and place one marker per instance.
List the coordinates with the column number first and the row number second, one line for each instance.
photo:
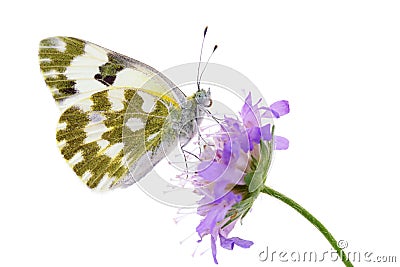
column 74, row 69
column 115, row 111
column 101, row 144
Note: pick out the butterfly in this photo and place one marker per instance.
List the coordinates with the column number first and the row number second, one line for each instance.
column 120, row 116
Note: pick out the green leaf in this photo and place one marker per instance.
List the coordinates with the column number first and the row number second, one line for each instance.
column 253, row 163
column 244, row 214
column 248, row 177
column 239, row 210
column 260, row 174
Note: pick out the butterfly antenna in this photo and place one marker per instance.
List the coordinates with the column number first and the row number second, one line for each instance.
column 208, row 60
column 201, row 53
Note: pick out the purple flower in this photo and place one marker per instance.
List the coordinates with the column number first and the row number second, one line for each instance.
column 222, row 180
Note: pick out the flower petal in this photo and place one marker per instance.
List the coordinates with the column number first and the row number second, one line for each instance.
column 229, row 243
column 281, row 143
column 244, row 142
column 250, row 113
column 208, row 223
column 280, row 108
column 266, row 132
column 231, row 151
column 211, row 171
column 248, row 101
column 254, row 134
column 214, row 249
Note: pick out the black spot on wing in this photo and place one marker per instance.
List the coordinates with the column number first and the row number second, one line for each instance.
column 69, row 91
column 99, row 78
column 110, row 79
column 108, row 71
column 65, row 87
column 107, row 80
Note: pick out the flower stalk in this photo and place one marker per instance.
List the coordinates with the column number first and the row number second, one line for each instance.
column 269, row 191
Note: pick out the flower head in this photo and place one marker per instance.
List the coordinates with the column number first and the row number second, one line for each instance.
column 232, row 172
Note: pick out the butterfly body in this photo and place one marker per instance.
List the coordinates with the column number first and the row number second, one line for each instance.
column 179, row 129
column 120, row 116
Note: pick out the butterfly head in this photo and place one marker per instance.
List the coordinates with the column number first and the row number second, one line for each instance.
column 203, row 98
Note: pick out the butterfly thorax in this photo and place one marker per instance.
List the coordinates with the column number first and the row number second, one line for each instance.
column 191, row 115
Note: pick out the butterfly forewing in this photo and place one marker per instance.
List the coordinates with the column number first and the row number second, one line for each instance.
column 74, row 69
column 115, row 111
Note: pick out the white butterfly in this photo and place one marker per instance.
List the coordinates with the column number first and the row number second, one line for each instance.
column 120, row 116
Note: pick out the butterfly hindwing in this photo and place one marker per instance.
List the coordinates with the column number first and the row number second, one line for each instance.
column 115, row 111
column 103, row 145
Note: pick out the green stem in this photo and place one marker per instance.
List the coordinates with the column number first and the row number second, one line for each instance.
column 311, row 219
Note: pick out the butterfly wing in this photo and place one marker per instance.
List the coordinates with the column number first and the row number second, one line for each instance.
column 104, row 146
column 115, row 111
column 74, row 69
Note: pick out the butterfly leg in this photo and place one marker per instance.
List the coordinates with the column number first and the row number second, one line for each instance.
column 197, row 125
column 217, row 120
column 199, row 137
column 182, row 145
column 186, row 164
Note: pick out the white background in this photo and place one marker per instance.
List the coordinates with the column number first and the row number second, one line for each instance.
column 337, row 62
